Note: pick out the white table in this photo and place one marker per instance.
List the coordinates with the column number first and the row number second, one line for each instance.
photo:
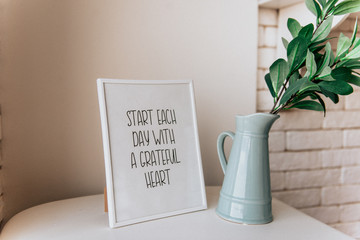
column 84, row 218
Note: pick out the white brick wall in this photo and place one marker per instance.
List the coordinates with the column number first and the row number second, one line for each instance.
column 352, row 138
column 314, row 161
column 340, row 194
column 268, row 17
column 327, row 215
column 340, row 157
column 287, row 161
column 300, row 198
column 350, row 175
column 277, row 141
column 290, row 120
column 266, row 56
column 342, row 119
column 264, row 100
column 352, row 228
column 350, row 213
column 352, row 101
column 315, row 139
column 312, row 178
column 277, row 180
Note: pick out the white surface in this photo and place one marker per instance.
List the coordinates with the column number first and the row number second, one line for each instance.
column 131, row 200
column 84, row 218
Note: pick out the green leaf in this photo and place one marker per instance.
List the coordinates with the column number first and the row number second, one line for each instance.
column 317, row 96
column 326, row 59
column 313, row 96
column 314, row 7
column 353, row 37
column 301, row 96
column 269, row 85
column 343, row 45
column 292, row 90
column 332, row 58
column 323, row 31
column 354, row 53
column 296, row 52
column 333, row 97
column 307, row 31
column 347, row 6
column 355, row 80
column 308, row 105
column 309, row 86
column 357, row 73
column 356, row 43
column 294, row 27
column 310, row 65
column 337, row 87
column 285, row 42
column 316, row 49
column 318, row 11
column 322, row 3
column 326, row 74
column 294, row 77
column 278, row 73
column 314, row 45
column 350, row 64
column 329, row 5
column 341, row 73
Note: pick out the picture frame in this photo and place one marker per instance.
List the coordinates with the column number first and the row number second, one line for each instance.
column 151, row 149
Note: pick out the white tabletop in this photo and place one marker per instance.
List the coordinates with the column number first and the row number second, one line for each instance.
column 84, row 218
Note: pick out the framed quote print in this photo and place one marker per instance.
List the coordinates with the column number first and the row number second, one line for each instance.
column 151, row 149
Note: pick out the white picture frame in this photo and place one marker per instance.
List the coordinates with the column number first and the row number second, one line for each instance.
column 151, row 149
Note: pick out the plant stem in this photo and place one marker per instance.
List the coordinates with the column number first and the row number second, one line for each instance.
column 280, row 94
column 283, row 106
column 283, row 88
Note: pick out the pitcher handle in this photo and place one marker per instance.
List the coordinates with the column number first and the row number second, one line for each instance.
column 220, row 148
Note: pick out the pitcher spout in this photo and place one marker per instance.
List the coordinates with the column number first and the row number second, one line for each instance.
column 258, row 123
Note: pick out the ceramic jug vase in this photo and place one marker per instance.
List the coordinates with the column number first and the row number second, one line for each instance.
column 245, row 196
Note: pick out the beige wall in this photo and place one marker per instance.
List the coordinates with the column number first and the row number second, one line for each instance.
column 52, row 52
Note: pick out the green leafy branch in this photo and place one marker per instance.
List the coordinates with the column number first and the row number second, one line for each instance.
column 312, row 70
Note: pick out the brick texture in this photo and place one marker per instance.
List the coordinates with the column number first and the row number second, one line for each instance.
column 300, row 198
column 351, row 228
column 352, row 138
column 266, row 57
column 264, row 101
column 277, row 180
column 351, row 175
column 313, row 178
column 340, row 157
column 342, row 119
column 340, row 194
column 327, row 215
column 287, row 161
column 352, row 101
column 290, row 120
column 268, row 17
column 307, row 140
column 277, row 141
column 350, row 213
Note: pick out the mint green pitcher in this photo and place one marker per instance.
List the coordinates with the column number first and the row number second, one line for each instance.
column 245, row 196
